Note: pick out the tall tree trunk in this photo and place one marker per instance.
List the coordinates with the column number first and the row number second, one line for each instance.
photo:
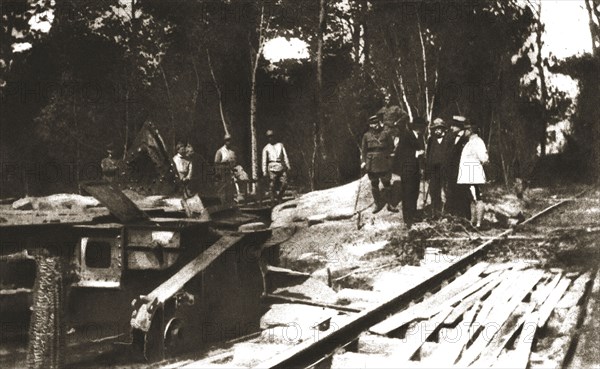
column 389, row 41
column 169, row 97
column 364, row 9
column 132, row 38
column 593, row 9
column 262, row 29
column 196, row 92
column 425, row 81
column 126, row 143
column 356, row 49
column 317, row 127
column 214, row 78
column 539, row 63
column 403, row 94
column 253, row 141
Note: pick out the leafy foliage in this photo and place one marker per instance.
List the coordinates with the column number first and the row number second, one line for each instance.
column 107, row 66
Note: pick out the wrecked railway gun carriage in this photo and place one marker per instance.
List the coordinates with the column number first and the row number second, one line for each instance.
column 160, row 280
column 161, row 284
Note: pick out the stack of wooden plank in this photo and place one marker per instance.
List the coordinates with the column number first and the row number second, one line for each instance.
column 509, row 315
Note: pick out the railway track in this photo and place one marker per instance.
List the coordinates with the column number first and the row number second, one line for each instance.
column 418, row 317
column 469, row 313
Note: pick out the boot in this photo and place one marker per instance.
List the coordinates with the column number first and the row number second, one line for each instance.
column 379, row 203
column 386, row 195
column 479, row 209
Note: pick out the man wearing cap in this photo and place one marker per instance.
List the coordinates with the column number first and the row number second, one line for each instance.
column 435, row 164
column 471, row 173
column 392, row 116
column 109, row 165
column 408, row 156
column 275, row 165
column 457, row 198
column 376, row 149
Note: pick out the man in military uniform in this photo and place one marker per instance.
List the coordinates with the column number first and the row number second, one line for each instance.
column 109, row 166
column 392, row 116
column 377, row 146
column 275, row 165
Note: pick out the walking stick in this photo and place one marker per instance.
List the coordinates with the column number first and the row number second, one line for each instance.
column 356, row 199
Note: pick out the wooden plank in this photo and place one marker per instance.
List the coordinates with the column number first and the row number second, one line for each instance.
column 416, row 337
column 363, row 361
column 166, row 289
column 499, row 296
column 295, row 300
column 351, row 294
column 432, row 305
column 375, row 344
column 491, row 280
column 286, row 271
column 542, row 294
column 452, row 342
column 546, row 309
column 115, row 201
column 575, row 292
column 500, row 315
column 588, row 334
column 495, row 347
column 509, row 237
column 519, row 357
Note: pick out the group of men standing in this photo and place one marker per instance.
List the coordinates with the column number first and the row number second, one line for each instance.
column 275, row 165
column 451, row 160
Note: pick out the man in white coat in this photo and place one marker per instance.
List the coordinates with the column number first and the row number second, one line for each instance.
column 470, row 171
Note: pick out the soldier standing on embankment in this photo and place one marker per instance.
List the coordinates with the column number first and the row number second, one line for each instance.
column 377, row 147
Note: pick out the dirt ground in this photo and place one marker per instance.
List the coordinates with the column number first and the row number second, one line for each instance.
column 341, row 245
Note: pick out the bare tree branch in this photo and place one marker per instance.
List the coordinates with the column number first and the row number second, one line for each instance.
column 214, row 78
column 424, row 55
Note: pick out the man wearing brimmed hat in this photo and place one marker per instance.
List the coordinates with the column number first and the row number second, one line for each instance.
column 376, row 148
column 109, row 165
column 408, row 155
column 436, row 157
column 457, row 198
column 275, row 165
column 471, row 173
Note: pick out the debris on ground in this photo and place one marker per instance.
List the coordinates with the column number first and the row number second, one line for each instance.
column 57, row 201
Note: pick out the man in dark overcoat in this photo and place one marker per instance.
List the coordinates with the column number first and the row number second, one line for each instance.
column 408, row 156
column 457, row 203
column 436, row 156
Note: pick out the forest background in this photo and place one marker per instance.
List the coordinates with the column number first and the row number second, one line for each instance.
column 92, row 72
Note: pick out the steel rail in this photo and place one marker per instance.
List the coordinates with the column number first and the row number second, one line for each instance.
column 308, row 354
